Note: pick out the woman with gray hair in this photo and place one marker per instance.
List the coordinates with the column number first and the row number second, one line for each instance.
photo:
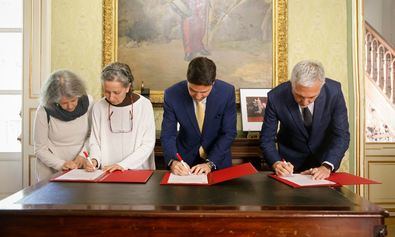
column 62, row 124
column 123, row 125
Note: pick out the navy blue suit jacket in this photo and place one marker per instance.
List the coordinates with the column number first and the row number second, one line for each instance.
column 219, row 127
column 329, row 137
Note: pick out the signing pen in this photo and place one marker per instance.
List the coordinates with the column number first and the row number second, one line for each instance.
column 183, row 162
column 88, row 158
column 286, row 163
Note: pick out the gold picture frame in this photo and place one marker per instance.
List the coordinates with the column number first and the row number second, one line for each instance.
column 279, row 42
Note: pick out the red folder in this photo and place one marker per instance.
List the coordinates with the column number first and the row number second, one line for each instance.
column 220, row 175
column 340, row 179
column 126, row 176
column 343, row 178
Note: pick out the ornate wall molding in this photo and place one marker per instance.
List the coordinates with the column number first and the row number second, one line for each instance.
column 110, row 9
column 280, row 42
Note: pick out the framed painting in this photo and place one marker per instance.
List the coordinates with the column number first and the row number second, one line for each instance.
column 253, row 104
column 247, row 39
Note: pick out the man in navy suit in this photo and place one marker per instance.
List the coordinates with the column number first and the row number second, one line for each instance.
column 205, row 110
column 314, row 132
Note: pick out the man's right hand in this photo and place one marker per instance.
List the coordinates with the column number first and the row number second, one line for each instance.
column 283, row 168
column 178, row 168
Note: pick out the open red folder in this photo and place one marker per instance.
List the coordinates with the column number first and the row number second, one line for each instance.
column 126, row 176
column 218, row 176
column 335, row 179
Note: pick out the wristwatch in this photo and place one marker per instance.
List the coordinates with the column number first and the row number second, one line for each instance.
column 211, row 164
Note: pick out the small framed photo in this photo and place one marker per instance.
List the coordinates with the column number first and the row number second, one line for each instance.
column 253, row 104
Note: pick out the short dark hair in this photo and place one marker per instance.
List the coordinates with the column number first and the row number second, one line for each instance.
column 201, row 71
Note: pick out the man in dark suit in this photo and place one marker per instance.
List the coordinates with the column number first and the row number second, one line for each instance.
column 314, row 132
column 205, row 110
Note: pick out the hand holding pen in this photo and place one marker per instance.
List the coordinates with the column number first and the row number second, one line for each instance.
column 89, row 167
column 183, row 169
column 283, row 168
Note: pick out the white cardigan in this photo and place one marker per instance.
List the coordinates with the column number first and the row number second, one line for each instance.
column 132, row 150
column 57, row 141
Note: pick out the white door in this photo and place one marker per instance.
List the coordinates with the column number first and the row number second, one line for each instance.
column 36, row 68
column 11, row 48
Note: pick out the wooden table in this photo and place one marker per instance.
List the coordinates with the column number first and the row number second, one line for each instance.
column 254, row 205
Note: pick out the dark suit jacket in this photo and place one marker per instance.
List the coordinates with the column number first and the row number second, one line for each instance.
column 329, row 137
column 219, row 128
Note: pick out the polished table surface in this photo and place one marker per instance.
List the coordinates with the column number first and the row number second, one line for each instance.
column 258, row 203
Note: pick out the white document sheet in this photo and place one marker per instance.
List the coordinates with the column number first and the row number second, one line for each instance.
column 80, row 174
column 188, row 179
column 306, row 180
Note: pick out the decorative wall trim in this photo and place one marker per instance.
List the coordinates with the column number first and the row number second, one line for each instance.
column 370, row 195
column 280, row 42
column 31, row 160
column 36, row 68
column 35, row 48
column 359, row 89
column 110, row 31
column 31, row 121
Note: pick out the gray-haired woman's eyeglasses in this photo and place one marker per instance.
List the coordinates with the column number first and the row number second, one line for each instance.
column 114, row 127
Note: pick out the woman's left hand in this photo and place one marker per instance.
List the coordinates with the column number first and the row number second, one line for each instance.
column 111, row 168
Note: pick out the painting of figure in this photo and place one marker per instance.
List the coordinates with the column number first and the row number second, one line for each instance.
column 158, row 38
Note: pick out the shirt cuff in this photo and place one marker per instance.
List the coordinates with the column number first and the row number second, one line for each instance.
column 98, row 165
column 328, row 164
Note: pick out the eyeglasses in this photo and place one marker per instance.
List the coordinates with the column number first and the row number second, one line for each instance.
column 116, row 122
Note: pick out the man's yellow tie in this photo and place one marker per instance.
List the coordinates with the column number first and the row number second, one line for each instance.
column 200, row 113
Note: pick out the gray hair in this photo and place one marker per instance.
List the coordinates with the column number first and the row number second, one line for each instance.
column 61, row 83
column 118, row 72
column 306, row 72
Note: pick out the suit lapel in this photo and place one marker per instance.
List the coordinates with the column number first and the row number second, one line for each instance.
column 210, row 106
column 190, row 110
column 295, row 112
column 319, row 105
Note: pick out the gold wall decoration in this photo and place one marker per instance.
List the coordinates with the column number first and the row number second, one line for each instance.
column 280, row 42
